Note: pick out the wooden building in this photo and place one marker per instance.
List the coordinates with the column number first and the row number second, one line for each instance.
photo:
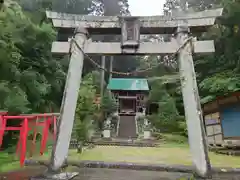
column 130, row 94
column 222, row 120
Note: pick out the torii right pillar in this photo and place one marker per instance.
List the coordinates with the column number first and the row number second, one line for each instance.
column 192, row 106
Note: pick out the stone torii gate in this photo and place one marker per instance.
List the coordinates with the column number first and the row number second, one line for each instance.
column 130, row 28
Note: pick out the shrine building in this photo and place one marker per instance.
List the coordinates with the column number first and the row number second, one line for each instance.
column 130, row 94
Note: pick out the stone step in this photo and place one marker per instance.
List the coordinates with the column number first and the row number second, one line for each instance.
column 126, row 142
column 226, row 151
column 132, row 144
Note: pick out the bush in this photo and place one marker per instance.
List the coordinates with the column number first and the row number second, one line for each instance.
column 165, row 124
column 170, row 138
column 183, row 128
column 83, row 130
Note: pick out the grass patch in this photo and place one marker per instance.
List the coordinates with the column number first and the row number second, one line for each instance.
column 8, row 162
column 167, row 154
column 164, row 155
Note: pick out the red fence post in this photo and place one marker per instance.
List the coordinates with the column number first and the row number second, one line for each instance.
column 54, row 128
column 45, row 134
column 24, row 141
column 33, row 145
column 3, row 124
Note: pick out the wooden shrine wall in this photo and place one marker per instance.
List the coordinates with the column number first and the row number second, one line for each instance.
column 140, row 99
column 213, row 118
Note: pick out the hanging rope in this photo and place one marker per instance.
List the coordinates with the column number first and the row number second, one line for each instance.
column 72, row 40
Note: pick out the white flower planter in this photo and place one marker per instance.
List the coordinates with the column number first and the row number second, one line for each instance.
column 107, row 133
column 146, row 134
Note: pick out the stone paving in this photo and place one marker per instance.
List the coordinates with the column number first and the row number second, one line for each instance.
column 113, row 174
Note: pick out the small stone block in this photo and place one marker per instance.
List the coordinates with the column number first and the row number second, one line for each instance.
column 60, row 176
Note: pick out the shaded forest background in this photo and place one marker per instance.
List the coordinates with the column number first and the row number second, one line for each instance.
column 32, row 80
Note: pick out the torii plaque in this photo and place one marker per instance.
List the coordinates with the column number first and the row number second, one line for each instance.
column 83, row 25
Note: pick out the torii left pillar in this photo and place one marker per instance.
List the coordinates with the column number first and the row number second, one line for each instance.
column 68, row 108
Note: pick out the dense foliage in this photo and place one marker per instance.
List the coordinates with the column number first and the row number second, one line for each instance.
column 32, row 80
column 90, row 115
column 217, row 73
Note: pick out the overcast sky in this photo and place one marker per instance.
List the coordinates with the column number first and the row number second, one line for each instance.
column 146, row 7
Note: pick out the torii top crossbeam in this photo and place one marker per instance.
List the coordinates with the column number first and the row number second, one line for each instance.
column 197, row 22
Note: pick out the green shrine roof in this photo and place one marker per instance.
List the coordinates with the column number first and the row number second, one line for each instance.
column 128, row 84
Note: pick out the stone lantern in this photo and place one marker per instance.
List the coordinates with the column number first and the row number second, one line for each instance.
column 107, row 129
column 147, row 129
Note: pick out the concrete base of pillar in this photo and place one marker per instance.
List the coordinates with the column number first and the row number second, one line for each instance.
column 146, row 134
column 107, row 133
column 57, row 176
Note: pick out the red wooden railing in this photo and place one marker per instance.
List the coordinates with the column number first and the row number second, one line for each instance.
column 29, row 122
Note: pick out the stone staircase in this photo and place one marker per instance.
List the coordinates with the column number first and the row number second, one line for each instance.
column 127, row 127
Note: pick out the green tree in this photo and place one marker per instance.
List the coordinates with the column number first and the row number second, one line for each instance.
column 108, row 104
column 86, row 108
column 32, row 80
